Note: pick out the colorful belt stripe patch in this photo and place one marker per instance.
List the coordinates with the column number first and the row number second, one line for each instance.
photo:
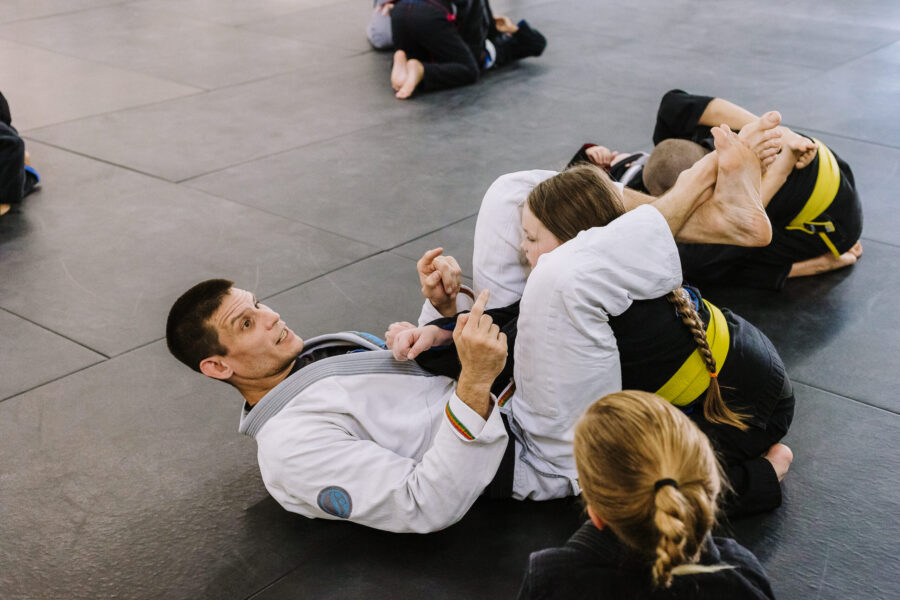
column 457, row 424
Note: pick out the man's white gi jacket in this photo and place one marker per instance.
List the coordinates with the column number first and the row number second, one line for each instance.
column 401, row 452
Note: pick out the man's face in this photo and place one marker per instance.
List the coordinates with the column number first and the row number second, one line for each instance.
column 259, row 343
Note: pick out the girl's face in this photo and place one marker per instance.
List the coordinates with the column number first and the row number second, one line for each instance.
column 538, row 239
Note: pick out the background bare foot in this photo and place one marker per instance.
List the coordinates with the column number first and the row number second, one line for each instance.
column 415, row 70
column 399, row 71
column 826, row 262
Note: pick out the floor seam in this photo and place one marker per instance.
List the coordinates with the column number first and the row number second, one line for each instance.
column 840, row 395
column 49, row 381
column 45, row 328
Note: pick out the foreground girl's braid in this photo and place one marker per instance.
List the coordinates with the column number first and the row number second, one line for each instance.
column 650, row 474
column 714, row 408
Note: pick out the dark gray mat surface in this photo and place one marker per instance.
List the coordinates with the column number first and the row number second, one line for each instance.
column 259, row 140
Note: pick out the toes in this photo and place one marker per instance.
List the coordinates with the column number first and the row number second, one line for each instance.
column 771, row 119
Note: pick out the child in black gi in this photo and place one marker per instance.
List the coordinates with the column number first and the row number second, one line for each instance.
column 827, row 238
column 650, row 480
column 448, row 43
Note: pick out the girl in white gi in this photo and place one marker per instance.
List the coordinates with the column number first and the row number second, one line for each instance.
column 565, row 352
column 683, row 347
column 650, row 517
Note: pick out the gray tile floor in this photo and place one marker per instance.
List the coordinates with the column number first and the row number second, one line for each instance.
column 259, row 140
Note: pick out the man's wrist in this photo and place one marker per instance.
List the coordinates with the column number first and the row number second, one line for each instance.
column 475, row 392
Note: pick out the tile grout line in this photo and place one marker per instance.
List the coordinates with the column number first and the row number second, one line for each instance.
column 843, row 136
column 48, row 382
column 45, row 328
column 241, row 163
column 840, row 395
column 66, row 13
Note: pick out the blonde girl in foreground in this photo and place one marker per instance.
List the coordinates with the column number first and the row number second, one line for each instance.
column 650, row 482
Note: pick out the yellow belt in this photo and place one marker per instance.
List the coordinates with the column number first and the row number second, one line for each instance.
column 828, row 182
column 692, row 378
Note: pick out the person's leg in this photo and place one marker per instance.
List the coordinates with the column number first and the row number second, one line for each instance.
column 438, row 58
column 12, row 166
column 516, row 42
column 754, row 460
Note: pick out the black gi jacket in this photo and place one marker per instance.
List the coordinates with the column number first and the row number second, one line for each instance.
column 595, row 564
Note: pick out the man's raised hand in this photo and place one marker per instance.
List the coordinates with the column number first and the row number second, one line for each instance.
column 441, row 278
column 480, row 344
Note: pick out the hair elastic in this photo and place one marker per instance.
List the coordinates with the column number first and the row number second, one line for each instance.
column 664, row 482
column 714, row 375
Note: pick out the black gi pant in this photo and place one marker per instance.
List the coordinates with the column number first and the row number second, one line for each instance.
column 754, row 484
column 12, row 159
column 452, row 52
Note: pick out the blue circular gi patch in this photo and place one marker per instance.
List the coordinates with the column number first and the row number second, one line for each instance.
column 335, row 501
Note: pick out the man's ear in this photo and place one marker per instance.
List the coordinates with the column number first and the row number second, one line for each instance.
column 597, row 521
column 216, row 367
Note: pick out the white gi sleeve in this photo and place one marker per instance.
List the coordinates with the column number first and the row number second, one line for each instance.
column 497, row 264
column 317, row 466
column 566, row 354
column 464, row 301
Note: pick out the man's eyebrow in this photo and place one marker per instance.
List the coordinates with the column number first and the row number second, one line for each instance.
column 234, row 319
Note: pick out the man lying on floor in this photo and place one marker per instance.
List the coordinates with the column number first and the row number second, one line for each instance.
column 809, row 193
column 346, row 432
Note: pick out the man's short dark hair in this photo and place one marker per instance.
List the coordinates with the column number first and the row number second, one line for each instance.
column 189, row 335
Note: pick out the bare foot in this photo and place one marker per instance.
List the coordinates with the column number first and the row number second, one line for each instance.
column 781, row 458
column 415, row 70
column 741, row 218
column 4, row 208
column 804, row 149
column 399, row 71
column 764, row 137
column 27, row 158
column 505, row 25
column 827, row 262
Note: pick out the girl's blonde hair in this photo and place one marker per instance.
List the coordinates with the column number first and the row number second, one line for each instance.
column 582, row 197
column 651, row 475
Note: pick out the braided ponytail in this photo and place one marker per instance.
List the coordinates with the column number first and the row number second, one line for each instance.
column 651, row 475
column 714, row 408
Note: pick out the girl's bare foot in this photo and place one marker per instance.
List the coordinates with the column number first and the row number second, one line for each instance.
column 742, row 219
column 4, row 208
column 781, row 458
column 415, row 70
column 764, row 137
column 826, row 262
column 398, row 71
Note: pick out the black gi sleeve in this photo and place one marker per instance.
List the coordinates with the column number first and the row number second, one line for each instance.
column 445, row 360
column 678, row 115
